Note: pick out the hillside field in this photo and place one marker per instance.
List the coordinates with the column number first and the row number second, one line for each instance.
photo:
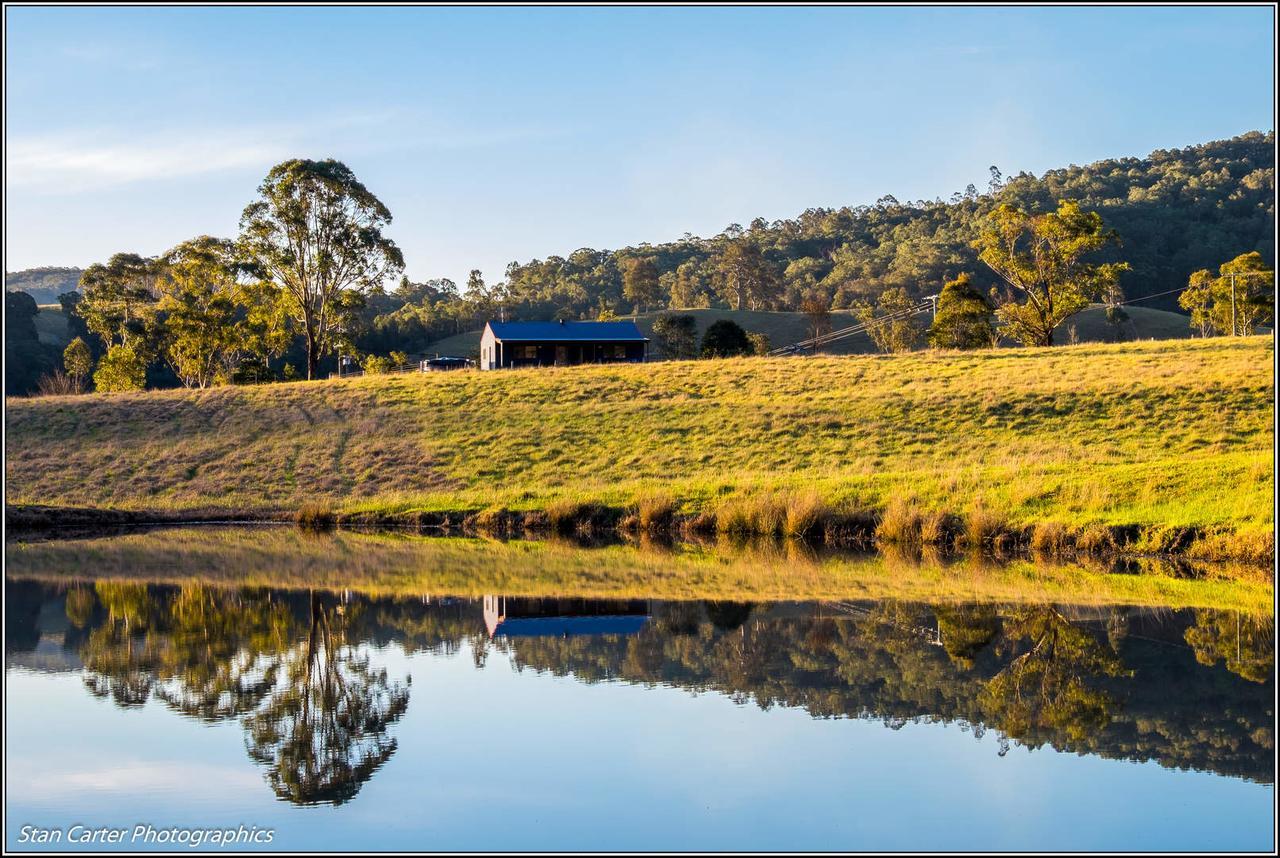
column 785, row 328
column 1156, row 435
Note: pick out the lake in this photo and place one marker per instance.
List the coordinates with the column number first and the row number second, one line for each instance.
column 463, row 694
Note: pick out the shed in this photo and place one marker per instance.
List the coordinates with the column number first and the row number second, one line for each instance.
column 563, row 343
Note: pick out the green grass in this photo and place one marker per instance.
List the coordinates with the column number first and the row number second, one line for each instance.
column 1156, row 435
column 390, row 563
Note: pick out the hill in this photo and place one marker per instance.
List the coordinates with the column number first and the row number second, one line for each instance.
column 1151, row 438
column 784, row 328
column 43, row 284
column 1175, row 210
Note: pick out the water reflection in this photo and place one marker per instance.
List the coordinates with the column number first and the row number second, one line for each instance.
column 302, row 672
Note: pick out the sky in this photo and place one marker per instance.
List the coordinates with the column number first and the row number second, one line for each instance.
column 507, row 134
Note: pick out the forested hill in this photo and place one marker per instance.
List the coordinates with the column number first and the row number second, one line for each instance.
column 43, row 284
column 1176, row 211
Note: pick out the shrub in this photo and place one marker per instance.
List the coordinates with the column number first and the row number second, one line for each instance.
column 725, row 338
column 983, row 526
column 900, row 522
column 675, row 335
column 375, row 365
column 121, row 369
column 58, row 383
column 655, row 511
column 805, row 512
column 316, row 516
column 965, row 317
column 1049, row 537
column 759, row 343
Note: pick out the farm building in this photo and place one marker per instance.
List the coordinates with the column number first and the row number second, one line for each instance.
column 509, row 344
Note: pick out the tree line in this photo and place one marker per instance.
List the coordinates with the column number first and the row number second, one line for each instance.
column 305, row 278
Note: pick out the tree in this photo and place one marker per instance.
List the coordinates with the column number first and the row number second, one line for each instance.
column 892, row 324
column 1197, row 299
column 1044, row 260
column 121, row 369
column 1237, row 301
column 205, row 330
column 676, row 335
column 759, row 343
column 119, row 301
column 640, row 283
column 78, row 361
column 745, row 274
column 689, row 287
column 725, row 338
column 817, row 311
column 316, row 232
column 964, row 318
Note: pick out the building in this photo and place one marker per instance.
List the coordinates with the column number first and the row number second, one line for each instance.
column 510, row 344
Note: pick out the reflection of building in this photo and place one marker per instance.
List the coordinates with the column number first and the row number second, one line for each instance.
column 517, row 616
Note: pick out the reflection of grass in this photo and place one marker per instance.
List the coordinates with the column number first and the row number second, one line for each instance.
column 1160, row 436
column 402, row 564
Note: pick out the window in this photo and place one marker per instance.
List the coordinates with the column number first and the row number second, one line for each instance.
column 527, row 352
column 619, row 351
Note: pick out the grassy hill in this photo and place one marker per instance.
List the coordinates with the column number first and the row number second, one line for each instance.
column 785, row 328
column 1154, row 436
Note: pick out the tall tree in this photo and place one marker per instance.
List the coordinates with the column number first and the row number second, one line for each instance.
column 317, row 233
column 640, row 283
column 203, row 331
column 745, row 274
column 1044, row 260
column 119, row 301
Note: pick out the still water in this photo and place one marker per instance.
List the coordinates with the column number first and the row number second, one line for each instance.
column 340, row 721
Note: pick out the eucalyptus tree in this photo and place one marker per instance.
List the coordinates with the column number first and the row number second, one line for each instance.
column 1045, row 262
column 317, row 233
column 119, row 300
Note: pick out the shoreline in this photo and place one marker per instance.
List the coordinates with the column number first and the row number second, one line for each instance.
column 592, row 523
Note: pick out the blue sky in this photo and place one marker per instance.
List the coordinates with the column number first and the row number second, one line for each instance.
column 509, row 134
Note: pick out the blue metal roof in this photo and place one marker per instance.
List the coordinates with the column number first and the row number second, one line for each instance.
column 567, row 331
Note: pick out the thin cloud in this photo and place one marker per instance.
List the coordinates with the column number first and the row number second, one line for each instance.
column 90, row 160
column 71, row 164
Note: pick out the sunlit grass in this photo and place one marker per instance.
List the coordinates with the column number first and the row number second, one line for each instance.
column 1155, row 435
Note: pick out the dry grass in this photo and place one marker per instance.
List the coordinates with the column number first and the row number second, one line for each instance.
column 1151, row 435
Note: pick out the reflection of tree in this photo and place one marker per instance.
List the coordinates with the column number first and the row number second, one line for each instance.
column 323, row 731
column 966, row 630
column 121, row 656
column 1050, row 682
column 314, row 711
column 219, row 661
column 1244, row 643
column 201, row 650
